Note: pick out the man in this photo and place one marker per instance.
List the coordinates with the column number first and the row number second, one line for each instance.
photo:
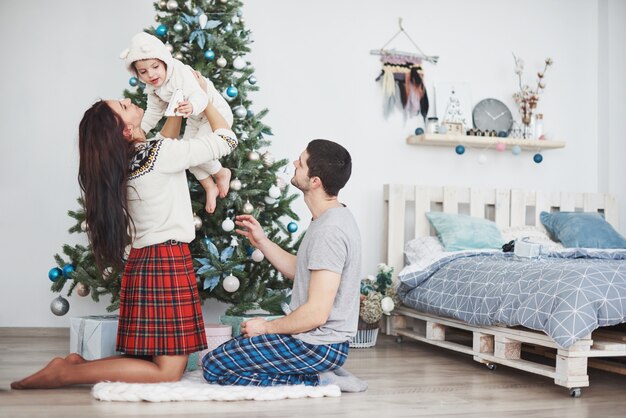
column 310, row 344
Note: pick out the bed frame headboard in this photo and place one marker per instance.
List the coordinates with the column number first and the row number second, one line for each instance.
column 406, row 205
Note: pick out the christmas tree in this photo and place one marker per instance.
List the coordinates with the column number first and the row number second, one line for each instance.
column 211, row 37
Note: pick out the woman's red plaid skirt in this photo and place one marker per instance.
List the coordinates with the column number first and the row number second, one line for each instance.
column 160, row 312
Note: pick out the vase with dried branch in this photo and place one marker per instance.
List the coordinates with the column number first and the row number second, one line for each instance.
column 527, row 97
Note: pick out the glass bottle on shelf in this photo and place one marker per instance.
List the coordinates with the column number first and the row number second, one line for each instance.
column 432, row 127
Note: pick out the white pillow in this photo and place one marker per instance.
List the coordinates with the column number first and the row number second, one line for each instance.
column 423, row 250
column 533, row 233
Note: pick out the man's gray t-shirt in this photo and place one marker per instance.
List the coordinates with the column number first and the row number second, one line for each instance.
column 332, row 242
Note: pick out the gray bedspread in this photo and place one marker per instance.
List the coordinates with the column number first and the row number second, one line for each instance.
column 565, row 294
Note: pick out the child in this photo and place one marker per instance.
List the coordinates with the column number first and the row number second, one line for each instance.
column 152, row 63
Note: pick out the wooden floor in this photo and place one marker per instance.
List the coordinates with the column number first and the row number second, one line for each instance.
column 410, row 379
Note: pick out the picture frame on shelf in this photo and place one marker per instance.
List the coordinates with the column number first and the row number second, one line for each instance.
column 454, row 98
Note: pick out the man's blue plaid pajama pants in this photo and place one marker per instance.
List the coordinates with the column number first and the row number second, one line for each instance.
column 271, row 359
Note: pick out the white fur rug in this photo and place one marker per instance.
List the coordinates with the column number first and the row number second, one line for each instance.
column 193, row 387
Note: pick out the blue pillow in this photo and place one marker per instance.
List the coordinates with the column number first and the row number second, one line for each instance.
column 462, row 232
column 581, row 230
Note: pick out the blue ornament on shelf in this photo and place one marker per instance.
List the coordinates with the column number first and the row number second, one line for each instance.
column 502, row 134
column 252, row 80
column 516, row 150
column 537, row 158
column 292, row 227
column 55, row 273
column 161, row 30
column 133, row 81
column 68, row 269
column 209, row 55
column 232, row 91
column 419, row 131
column 460, row 149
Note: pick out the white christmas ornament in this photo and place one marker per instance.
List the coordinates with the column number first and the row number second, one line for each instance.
column 83, row 226
column 268, row 159
column 228, row 225
column 230, row 283
column 269, row 200
column 221, row 62
column 281, row 183
column 197, row 222
column 253, row 156
column 257, row 255
column 172, row 5
column 387, row 305
column 241, row 112
column 235, row 184
column 239, row 63
column 247, row 208
column 202, row 20
column 274, row 192
column 169, row 47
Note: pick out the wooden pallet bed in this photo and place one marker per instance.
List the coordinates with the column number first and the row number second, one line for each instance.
column 406, row 206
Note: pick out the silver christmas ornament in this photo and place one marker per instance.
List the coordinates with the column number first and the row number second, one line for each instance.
column 235, row 184
column 240, row 112
column 162, row 4
column 239, row 63
column 221, row 62
column 228, row 225
column 178, row 27
column 274, row 192
column 197, row 222
column 269, row 200
column 59, row 306
column 247, row 208
column 172, row 5
column 230, row 283
column 82, row 289
column 268, row 159
column 83, row 226
column 253, row 156
column 257, row 255
column 178, row 56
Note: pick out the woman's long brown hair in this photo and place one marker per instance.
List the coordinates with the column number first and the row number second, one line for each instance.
column 103, row 177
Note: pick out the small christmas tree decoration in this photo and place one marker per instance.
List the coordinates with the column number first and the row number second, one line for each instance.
column 163, row 4
column 178, row 27
column 516, row 150
column 82, row 289
column 292, row 227
column 55, row 273
column 67, row 270
column 538, row 158
column 209, row 55
column 133, row 81
column 169, row 47
column 221, row 62
column 228, row 225
column 230, row 283
column 247, row 207
column 500, row 146
column 202, row 20
column 253, row 156
column 197, row 222
column 161, row 30
column 235, row 185
column 83, row 226
column 252, row 80
column 269, row 200
column 172, row 5
column 460, row 149
column 239, row 63
column 178, row 56
column 268, row 159
column 228, row 28
column 59, row 306
column 281, row 183
column 274, row 192
column 232, row 91
column 257, row 255
column 240, row 112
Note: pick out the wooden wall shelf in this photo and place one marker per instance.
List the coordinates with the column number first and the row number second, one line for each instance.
column 483, row 141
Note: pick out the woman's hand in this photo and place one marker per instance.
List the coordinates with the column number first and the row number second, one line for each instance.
column 253, row 230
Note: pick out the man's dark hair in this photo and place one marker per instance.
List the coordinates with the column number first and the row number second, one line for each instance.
column 331, row 163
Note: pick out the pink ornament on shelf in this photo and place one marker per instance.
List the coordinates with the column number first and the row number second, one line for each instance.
column 500, row 146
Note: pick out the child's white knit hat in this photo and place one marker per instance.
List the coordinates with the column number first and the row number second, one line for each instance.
column 145, row 46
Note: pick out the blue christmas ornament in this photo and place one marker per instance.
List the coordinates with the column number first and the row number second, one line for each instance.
column 419, row 131
column 67, row 270
column 252, row 79
column 142, row 85
column 249, row 114
column 161, row 30
column 133, row 81
column 516, row 150
column 292, row 227
column 209, row 55
column 538, row 158
column 232, row 91
column 460, row 149
column 55, row 273
column 502, row 134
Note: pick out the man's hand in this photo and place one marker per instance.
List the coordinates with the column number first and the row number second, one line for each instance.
column 184, row 108
column 253, row 230
column 253, row 327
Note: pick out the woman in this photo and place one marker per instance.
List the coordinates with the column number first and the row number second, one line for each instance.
column 149, row 207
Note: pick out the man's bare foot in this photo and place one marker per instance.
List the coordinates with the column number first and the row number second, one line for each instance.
column 46, row 378
column 222, row 178
column 211, row 194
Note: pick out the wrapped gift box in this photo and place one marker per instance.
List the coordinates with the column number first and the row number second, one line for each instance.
column 216, row 335
column 94, row 337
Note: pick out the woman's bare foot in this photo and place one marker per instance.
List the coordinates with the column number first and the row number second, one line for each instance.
column 46, row 378
column 222, row 178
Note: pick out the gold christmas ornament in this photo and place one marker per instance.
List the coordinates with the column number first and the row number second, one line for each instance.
column 82, row 289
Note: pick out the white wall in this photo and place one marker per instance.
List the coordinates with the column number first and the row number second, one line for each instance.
column 317, row 78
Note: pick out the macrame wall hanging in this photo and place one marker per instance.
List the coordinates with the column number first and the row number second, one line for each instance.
column 402, row 78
